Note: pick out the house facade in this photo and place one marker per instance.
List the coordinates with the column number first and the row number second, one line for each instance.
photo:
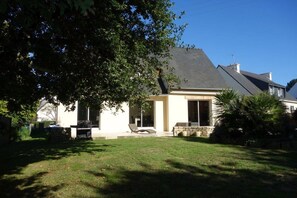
column 46, row 111
column 248, row 83
column 192, row 101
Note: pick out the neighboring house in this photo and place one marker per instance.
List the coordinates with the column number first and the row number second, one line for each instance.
column 46, row 111
column 192, row 101
column 293, row 90
column 248, row 83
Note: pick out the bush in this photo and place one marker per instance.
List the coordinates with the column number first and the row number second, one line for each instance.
column 244, row 119
column 23, row 133
column 222, row 134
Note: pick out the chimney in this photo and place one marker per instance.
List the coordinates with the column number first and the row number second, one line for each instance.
column 235, row 67
column 267, row 75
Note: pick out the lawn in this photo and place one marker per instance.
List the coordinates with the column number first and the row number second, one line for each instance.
column 145, row 167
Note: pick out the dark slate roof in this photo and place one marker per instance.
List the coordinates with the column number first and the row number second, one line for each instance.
column 242, row 80
column 261, row 78
column 293, row 91
column 195, row 70
column 288, row 96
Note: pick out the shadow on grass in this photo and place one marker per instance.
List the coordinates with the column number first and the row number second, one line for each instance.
column 192, row 181
column 16, row 156
column 27, row 187
column 279, row 157
column 196, row 139
column 275, row 157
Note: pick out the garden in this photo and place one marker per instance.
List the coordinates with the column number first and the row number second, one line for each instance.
column 145, row 167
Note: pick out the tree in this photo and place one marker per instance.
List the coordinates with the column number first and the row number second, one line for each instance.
column 291, row 84
column 101, row 53
column 249, row 117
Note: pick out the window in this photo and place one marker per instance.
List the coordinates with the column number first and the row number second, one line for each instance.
column 277, row 91
column 87, row 114
column 198, row 113
column 271, row 90
column 280, row 92
column 142, row 117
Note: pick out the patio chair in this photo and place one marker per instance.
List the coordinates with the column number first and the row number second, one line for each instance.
column 134, row 129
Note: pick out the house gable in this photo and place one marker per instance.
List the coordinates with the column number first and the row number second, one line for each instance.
column 195, row 70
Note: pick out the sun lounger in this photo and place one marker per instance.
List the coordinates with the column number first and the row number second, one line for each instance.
column 134, row 129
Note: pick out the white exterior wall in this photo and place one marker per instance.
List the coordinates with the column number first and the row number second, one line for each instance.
column 213, row 112
column 168, row 110
column 159, row 115
column 178, row 106
column 112, row 121
column 66, row 118
column 177, row 110
column 289, row 104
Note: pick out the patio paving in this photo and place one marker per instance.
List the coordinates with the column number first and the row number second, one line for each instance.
column 131, row 135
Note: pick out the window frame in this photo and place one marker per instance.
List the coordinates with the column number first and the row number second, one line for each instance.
column 140, row 114
column 199, row 113
column 88, row 113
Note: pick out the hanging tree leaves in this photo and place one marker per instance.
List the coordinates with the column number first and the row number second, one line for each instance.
column 97, row 52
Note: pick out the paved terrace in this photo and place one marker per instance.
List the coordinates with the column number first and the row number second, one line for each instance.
column 128, row 134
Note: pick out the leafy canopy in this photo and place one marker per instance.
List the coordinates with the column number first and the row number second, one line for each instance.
column 254, row 116
column 24, row 116
column 98, row 52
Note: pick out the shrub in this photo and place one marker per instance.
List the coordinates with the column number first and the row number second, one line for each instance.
column 23, row 133
column 248, row 118
column 222, row 134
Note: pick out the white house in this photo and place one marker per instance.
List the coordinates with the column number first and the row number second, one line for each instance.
column 46, row 111
column 191, row 102
column 248, row 83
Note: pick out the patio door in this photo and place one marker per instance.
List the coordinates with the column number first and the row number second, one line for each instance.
column 142, row 117
column 198, row 113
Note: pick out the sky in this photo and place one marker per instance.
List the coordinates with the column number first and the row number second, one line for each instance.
column 260, row 35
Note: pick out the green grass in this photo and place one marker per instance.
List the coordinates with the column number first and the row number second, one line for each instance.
column 145, row 167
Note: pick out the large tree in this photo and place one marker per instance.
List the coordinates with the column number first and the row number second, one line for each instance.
column 98, row 52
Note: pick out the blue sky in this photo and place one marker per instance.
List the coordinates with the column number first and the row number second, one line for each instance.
column 260, row 34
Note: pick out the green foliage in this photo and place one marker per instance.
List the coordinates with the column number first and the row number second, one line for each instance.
column 291, row 84
column 243, row 118
column 3, row 107
column 19, row 121
column 101, row 53
column 22, row 134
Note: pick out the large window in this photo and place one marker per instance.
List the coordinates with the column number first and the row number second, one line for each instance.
column 142, row 117
column 198, row 113
column 87, row 114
